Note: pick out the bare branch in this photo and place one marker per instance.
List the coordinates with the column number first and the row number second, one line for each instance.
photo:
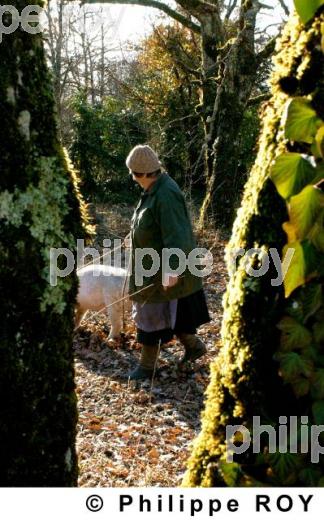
column 258, row 99
column 155, row 4
column 264, row 6
column 267, row 50
column 284, row 7
column 265, row 29
column 199, row 6
column 232, row 5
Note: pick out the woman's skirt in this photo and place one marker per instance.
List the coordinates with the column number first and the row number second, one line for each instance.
column 160, row 321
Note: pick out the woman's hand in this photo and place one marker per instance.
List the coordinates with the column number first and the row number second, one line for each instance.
column 169, row 280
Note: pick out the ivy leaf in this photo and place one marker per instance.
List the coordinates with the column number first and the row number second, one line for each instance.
column 318, row 384
column 319, row 168
column 318, row 330
column 284, row 465
column 314, row 260
column 318, row 412
column 316, row 234
column 294, row 335
column 320, row 360
column 291, row 173
column 293, row 365
column 304, row 209
column 311, row 299
column 295, row 309
column 307, row 304
column 311, row 353
column 310, row 476
column 290, row 231
column 302, row 121
column 319, row 139
column 318, row 327
column 307, row 8
column 231, row 472
column 295, row 275
column 301, row 386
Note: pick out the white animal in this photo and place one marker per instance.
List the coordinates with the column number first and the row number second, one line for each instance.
column 99, row 287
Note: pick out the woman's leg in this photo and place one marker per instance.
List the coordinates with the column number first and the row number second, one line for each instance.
column 192, row 311
column 151, row 317
column 147, row 364
column 194, row 347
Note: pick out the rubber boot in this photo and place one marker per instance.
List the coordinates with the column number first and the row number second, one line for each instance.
column 194, row 347
column 147, row 364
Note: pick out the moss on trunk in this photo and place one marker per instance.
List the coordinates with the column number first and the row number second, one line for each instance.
column 246, row 380
column 237, row 67
column 39, row 209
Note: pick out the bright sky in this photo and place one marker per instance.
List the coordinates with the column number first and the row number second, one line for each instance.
column 136, row 21
column 131, row 23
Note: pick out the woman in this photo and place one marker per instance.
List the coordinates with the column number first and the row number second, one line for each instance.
column 164, row 303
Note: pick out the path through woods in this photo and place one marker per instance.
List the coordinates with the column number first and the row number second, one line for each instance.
column 133, row 435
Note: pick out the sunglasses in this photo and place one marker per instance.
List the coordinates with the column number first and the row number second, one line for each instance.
column 139, row 175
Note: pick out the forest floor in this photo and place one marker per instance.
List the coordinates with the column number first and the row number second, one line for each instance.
column 140, row 434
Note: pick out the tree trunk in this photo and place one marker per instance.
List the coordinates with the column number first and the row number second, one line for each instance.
column 39, row 209
column 223, row 186
column 248, row 379
column 236, row 67
column 55, row 46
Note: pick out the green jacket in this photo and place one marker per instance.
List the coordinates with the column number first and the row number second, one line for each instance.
column 161, row 220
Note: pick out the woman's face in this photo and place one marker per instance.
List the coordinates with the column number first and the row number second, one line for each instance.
column 144, row 182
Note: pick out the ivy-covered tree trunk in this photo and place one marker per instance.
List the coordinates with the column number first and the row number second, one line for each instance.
column 270, row 362
column 39, row 209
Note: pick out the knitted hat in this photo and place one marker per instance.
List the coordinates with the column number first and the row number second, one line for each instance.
column 143, row 159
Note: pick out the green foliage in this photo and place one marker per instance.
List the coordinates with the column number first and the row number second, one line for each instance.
column 284, row 466
column 103, row 136
column 295, row 276
column 318, row 412
column 310, row 300
column 305, row 208
column 311, row 476
column 290, row 173
column 231, row 473
column 293, row 365
column 294, row 177
column 167, row 91
column 294, row 335
column 319, row 141
column 307, row 8
column 318, row 384
column 302, row 121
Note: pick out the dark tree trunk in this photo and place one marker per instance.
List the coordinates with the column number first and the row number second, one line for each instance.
column 39, row 209
column 236, row 65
